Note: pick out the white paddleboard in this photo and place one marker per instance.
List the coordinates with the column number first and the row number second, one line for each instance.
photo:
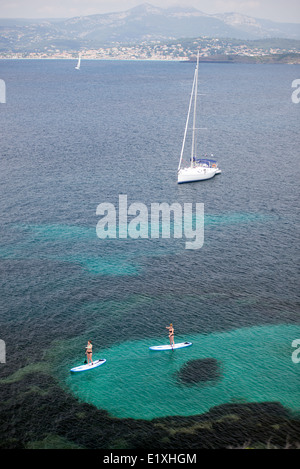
column 169, row 347
column 88, row 366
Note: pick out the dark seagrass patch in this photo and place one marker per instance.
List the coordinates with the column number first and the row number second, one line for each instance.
column 200, row 371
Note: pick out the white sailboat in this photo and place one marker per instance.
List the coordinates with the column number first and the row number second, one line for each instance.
column 198, row 169
column 78, row 63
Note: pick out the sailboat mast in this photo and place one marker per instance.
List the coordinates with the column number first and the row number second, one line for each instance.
column 187, row 122
column 78, row 63
column 195, row 109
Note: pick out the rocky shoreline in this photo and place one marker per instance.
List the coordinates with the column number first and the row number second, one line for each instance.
column 37, row 414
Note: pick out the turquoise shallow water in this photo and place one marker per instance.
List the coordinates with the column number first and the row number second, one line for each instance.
column 255, row 364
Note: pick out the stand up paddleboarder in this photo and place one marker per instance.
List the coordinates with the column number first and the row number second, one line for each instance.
column 171, row 334
column 89, row 352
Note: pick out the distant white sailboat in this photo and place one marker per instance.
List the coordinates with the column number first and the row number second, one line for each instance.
column 199, row 169
column 78, row 63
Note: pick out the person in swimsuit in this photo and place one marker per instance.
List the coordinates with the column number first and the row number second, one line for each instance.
column 171, row 334
column 89, row 352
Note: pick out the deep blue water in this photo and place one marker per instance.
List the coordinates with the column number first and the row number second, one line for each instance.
column 72, row 140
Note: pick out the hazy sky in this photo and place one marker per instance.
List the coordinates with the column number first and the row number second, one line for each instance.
column 276, row 10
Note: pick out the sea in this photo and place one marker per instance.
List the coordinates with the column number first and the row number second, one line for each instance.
column 72, row 140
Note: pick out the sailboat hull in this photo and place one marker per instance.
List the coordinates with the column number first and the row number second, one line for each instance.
column 195, row 174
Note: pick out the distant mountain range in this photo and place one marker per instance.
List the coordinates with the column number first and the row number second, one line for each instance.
column 142, row 23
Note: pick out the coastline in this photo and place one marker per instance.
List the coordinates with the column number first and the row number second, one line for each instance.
column 288, row 59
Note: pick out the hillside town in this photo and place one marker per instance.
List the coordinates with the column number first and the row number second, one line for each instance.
column 178, row 50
